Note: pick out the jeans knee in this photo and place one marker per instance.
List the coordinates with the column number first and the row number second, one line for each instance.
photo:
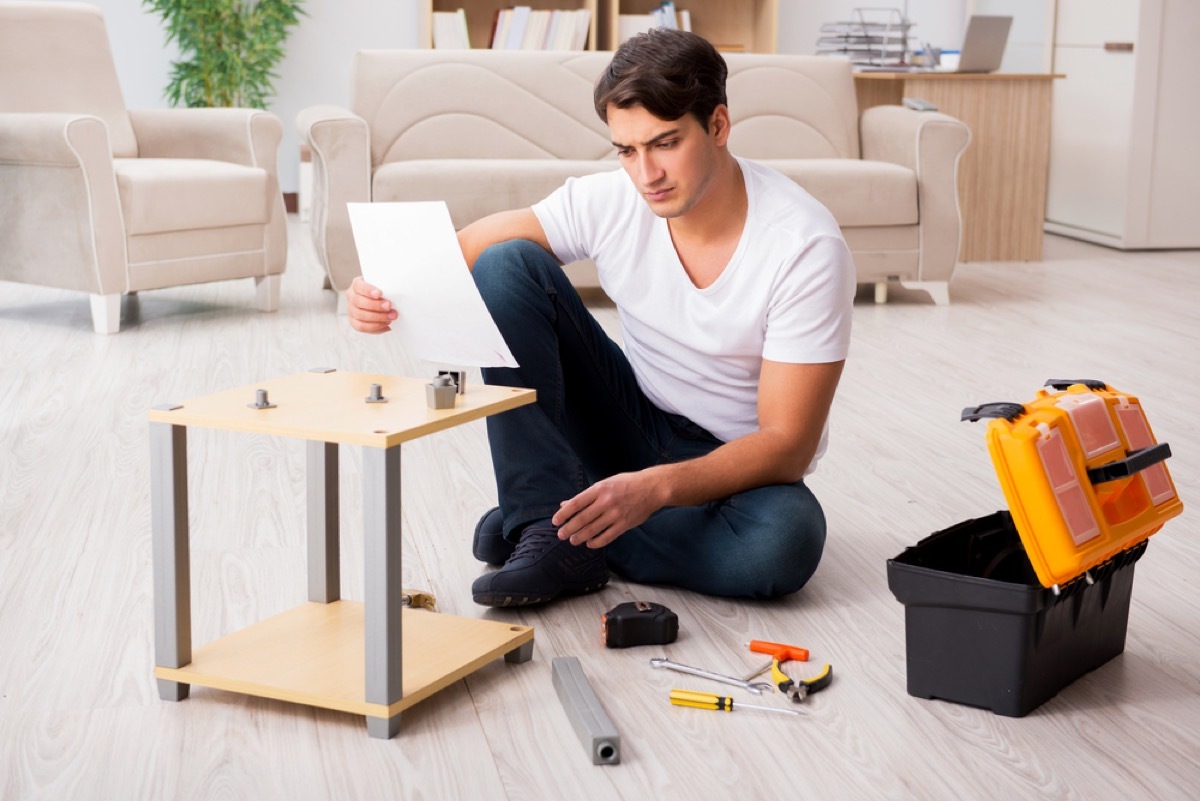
column 790, row 540
column 507, row 265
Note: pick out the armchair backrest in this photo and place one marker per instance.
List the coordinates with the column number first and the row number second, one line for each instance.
column 55, row 57
column 463, row 104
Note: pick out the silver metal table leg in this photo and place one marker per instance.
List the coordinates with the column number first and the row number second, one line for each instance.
column 383, row 590
column 172, row 571
column 324, row 565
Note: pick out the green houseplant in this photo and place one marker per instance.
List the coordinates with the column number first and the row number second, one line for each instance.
column 228, row 49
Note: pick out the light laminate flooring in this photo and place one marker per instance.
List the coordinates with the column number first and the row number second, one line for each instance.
column 80, row 717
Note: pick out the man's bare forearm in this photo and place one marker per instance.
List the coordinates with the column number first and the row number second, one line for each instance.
column 755, row 460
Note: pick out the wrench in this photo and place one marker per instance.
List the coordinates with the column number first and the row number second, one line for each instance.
column 758, row 688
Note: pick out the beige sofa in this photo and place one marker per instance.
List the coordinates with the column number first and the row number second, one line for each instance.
column 487, row 131
column 107, row 201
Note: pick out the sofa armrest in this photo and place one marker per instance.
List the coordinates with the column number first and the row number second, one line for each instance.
column 341, row 152
column 60, row 215
column 239, row 135
column 930, row 144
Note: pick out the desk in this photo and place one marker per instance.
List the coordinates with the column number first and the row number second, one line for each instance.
column 328, row 653
column 1002, row 173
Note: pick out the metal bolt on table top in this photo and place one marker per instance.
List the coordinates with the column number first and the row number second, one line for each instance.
column 376, row 395
column 260, row 400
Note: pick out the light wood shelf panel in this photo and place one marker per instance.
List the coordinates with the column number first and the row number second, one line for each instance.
column 731, row 25
column 481, row 16
column 313, row 654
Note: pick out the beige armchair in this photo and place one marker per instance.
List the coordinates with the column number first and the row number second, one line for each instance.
column 109, row 202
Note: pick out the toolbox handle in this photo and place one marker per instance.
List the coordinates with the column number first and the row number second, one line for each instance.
column 1009, row 411
column 1062, row 383
column 1135, row 462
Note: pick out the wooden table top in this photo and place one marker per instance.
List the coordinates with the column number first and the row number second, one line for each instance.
column 332, row 407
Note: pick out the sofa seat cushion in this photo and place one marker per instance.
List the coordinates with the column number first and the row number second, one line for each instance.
column 159, row 195
column 857, row 193
column 475, row 188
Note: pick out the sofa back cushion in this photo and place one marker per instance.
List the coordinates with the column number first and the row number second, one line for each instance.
column 55, row 57
column 424, row 104
column 427, row 104
column 792, row 107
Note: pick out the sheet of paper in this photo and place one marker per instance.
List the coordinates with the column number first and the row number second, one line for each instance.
column 410, row 252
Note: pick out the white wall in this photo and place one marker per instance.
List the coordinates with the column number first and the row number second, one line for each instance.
column 315, row 70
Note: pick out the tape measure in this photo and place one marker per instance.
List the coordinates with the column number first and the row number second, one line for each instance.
column 638, row 623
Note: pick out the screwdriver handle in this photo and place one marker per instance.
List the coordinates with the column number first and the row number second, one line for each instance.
column 783, row 653
column 700, row 700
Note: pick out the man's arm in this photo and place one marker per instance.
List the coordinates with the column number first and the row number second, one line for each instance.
column 372, row 313
column 793, row 403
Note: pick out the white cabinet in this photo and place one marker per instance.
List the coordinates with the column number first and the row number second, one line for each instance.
column 1124, row 161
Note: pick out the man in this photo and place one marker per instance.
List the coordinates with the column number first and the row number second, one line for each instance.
column 680, row 460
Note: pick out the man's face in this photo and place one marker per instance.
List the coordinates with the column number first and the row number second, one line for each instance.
column 671, row 162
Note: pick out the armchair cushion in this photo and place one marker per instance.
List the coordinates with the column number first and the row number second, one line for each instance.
column 858, row 193
column 184, row 194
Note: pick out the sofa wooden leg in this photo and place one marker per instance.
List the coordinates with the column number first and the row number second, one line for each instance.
column 881, row 291
column 106, row 313
column 939, row 291
column 266, row 289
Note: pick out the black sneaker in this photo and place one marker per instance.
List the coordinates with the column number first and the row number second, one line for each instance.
column 542, row 568
column 489, row 544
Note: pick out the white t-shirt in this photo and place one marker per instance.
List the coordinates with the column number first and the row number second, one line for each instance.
column 786, row 294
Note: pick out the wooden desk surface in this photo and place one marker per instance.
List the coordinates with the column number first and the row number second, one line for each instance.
column 956, row 76
column 331, row 407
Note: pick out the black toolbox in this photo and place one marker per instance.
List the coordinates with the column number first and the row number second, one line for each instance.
column 1003, row 611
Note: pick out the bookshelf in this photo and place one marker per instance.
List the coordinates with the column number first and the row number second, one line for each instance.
column 732, row 25
column 481, row 15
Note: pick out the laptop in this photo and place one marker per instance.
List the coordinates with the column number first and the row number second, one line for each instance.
column 983, row 45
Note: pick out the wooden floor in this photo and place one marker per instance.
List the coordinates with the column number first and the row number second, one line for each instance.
column 80, row 717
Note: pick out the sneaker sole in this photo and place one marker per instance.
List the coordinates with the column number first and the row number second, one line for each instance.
column 530, row 600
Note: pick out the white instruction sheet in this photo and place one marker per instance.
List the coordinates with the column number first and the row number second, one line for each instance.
column 410, row 252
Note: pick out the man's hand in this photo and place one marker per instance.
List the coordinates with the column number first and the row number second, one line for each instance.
column 369, row 311
column 609, row 508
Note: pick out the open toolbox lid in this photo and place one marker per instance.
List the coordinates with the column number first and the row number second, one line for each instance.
column 1083, row 475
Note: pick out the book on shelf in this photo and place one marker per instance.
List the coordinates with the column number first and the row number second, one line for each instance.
column 516, row 30
column 450, row 30
column 523, row 28
column 665, row 16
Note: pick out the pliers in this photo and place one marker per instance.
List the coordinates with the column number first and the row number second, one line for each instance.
column 796, row 690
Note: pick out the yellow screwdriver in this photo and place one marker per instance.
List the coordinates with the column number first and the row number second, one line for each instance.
column 720, row 702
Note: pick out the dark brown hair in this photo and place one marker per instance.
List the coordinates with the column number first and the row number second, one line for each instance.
column 668, row 72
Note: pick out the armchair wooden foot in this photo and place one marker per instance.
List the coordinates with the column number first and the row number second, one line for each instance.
column 938, row 291
column 266, row 288
column 106, row 313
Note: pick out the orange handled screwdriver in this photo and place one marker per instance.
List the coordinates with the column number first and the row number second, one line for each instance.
column 723, row 703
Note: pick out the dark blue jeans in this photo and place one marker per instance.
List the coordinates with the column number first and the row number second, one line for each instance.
column 591, row 420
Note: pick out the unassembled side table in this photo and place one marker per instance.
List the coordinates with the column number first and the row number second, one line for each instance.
column 374, row 658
